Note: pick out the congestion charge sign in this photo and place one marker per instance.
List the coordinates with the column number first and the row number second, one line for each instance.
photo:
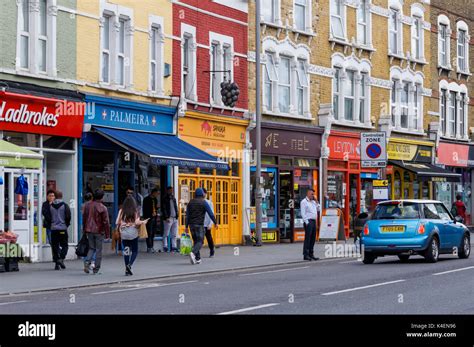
column 373, row 149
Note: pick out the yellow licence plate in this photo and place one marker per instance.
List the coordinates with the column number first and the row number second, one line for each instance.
column 393, row 229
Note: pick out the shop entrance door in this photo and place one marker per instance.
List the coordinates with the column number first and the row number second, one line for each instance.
column 286, row 204
column 20, row 208
column 224, row 193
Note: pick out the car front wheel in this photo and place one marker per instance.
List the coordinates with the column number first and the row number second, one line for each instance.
column 465, row 249
column 432, row 252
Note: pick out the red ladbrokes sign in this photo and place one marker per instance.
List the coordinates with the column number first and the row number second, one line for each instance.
column 32, row 114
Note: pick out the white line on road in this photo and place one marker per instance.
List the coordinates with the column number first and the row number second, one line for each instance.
column 12, row 302
column 364, row 287
column 248, row 309
column 350, row 261
column 450, row 271
column 271, row 271
column 154, row 285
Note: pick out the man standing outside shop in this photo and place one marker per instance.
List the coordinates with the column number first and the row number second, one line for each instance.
column 310, row 212
column 195, row 214
column 150, row 211
column 46, row 212
column 60, row 221
column 208, row 226
column 169, row 209
column 95, row 220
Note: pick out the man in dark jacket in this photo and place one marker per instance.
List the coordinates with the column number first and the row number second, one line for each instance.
column 150, row 211
column 95, row 221
column 169, row 209
column 195, row 214
column 60, row 221
column 46, row 213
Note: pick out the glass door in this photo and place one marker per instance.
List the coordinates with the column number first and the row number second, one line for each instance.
column 286, row 204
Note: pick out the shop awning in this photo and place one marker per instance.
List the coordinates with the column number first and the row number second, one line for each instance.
column 12, row 155
column 163, row 149
column 428, row 172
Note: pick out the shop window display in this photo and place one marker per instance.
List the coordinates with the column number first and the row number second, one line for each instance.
column 269, row 206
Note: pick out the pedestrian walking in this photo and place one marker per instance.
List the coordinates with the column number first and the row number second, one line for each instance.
column 310, row 209
column 208, row 226
column 128, row 223
column 46, row 213
column 150, row 212
column 195, row 215
column 169, row 212
column 95, row 220
column 459, row 208
column 60, row 221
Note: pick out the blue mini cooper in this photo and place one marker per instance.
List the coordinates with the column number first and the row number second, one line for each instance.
column 408, row 227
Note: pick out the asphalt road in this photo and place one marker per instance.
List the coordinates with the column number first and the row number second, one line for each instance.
column 335, row 286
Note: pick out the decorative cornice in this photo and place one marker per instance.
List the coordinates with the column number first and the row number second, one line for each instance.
column 321, row 71
column 380, row 83
column 380, row 11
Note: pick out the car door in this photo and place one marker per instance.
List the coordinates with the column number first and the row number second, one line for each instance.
column 453, row 230
column 432, row 215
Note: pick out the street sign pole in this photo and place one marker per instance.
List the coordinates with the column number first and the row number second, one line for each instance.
column 258, row 130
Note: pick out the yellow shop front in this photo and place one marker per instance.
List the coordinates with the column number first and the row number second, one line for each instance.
column 224, row 138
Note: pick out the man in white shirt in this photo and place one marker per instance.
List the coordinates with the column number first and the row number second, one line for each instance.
column 310, row 212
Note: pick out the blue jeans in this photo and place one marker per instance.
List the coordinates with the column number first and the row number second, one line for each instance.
column 130, row 251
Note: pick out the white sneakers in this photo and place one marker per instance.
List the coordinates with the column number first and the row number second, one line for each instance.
column 192, row 257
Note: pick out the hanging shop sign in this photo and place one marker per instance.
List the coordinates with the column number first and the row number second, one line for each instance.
column 38, row 115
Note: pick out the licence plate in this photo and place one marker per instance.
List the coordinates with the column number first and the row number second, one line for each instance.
column 393, row 229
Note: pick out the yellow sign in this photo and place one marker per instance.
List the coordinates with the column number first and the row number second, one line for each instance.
column 380, row 183
column 401, row 151
column 269, row 236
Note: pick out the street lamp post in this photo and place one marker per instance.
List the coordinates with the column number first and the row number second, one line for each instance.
column 258, row 130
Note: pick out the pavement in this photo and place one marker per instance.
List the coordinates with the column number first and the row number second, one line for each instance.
column 328, row 286
column 41, row 276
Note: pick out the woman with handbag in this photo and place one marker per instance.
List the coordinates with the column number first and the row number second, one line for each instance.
column 129, row 223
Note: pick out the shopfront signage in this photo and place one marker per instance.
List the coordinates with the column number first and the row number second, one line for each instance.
column 344, row 148
column 37, row 115
column 291, row 143
column 452, row 154
column 135, row 116
column 409, row 152
column 220, row 139
column 373, row 149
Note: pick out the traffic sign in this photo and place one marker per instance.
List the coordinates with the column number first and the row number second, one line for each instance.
column 380, row 183
column 373, row 149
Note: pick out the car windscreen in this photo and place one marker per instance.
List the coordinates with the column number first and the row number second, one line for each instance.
column 397, row 211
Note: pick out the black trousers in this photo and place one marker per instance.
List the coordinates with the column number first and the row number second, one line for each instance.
column 150, row 229
column 59, row 244
column 309, row 238
column 210, row 241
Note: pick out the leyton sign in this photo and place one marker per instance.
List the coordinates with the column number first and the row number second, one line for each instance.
column 344, row 148
column 32, row 114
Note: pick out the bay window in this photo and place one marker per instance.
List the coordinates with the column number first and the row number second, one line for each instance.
column 284, row 84
column 269, row 78
column 443, row 111
column 404, row 105
column 336, row 92
column 461, row 115
column 363, row 106
column 349, row 95
column 452, row 114
column 302, row 84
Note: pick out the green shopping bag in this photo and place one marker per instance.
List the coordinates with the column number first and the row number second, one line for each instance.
column 186, row 244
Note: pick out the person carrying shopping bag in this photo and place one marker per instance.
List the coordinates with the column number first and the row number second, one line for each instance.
column 128, row 223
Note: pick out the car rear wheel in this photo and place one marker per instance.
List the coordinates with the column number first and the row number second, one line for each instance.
column 403, row 257
column 368, row 258
column 432, row 252
column 465, row 249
